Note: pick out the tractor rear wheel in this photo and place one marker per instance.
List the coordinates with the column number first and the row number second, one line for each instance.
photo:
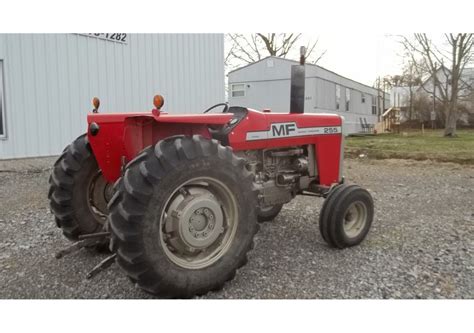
column 268, row 213
column 183, row 217
column 78, row 192
column 346, row 216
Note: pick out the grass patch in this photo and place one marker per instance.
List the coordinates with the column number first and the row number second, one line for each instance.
column 414, row 145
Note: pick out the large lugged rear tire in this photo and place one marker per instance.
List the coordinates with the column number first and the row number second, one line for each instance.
column 346, row 216
column 78, row 193
column 183, row 217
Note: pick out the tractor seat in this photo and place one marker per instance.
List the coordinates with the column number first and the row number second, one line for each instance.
column 221, row 132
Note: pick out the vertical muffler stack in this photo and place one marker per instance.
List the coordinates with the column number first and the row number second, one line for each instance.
column 297, row 84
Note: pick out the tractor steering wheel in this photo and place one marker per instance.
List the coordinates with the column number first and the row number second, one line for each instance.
column 225, row 105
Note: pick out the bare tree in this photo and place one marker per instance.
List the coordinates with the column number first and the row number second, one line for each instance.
column 450, row 58
column 411, row 80
column 249, row 48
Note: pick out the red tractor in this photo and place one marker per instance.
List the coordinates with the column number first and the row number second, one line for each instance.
column 177, row 198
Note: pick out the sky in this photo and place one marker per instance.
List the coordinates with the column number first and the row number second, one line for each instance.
column 361, row 57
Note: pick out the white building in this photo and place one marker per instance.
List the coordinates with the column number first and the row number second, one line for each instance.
column 266, row 84
column 400, row 96
column 47, row 82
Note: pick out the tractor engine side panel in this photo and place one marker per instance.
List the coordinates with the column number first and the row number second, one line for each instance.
column 268, row 131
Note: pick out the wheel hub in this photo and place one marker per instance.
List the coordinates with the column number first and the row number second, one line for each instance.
column 198, row 223
column 355, row 219
column 198, row 220
column 99, row 194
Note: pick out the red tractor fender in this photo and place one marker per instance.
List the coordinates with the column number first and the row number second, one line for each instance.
column 117, row 138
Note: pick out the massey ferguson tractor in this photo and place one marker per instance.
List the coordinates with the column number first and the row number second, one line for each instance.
column 176, row 197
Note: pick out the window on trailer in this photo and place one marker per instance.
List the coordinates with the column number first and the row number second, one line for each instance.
column 362, row 99
column 348, row 99
column 238, row 90
column 338, row 96
column 2, row 104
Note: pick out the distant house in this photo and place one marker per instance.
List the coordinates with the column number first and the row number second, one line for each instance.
column 265, row 84
column 443, row 74
column 400, row 95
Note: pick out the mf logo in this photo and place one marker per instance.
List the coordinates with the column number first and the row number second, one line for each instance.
column 285, row 129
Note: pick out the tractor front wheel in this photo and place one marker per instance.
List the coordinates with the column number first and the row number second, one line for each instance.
column 346, row 216
column 268, row 213
column 183, row 217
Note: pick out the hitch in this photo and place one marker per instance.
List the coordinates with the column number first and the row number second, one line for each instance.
column 101, row 266
column 96, row 235
column 76, row 247
column 85, row 241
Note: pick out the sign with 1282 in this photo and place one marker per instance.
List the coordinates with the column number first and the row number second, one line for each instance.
column 112, row 37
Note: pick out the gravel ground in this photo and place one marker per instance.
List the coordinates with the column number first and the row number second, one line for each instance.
column 421, row 244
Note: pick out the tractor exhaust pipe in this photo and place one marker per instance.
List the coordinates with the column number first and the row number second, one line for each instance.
column 297, row 84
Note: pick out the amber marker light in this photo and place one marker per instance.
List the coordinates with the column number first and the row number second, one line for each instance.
column 158, row 101
column 96, row 104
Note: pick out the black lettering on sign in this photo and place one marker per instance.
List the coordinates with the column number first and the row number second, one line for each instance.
column 277, row 130
column 290, row 128
column 113, row 37
column 283, row 129
column 330, row 130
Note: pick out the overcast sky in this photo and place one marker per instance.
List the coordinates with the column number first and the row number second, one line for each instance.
column 361, row 57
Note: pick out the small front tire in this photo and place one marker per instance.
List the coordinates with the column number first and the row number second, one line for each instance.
column 268, row 213
column 346, row 216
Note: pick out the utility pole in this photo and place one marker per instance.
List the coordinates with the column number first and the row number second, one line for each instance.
column 433, row 113
column 383, row 95
column 379, row 113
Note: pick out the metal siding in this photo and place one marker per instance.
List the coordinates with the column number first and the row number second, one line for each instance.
column 269, row 87
column 50, row 80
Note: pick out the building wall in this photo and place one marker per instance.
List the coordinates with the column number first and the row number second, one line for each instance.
column 267, row 85
column 50, row 80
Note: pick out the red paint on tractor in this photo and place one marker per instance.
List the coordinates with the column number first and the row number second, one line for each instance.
column 126, row 134
column 328, row 147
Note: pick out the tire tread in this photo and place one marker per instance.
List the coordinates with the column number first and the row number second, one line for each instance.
column 124, row 217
